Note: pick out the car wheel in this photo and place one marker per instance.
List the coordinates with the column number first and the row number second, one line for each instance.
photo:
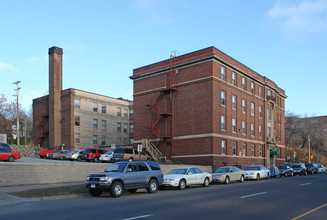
column 130, row 159
column 258, row 177
column 242, row 179
column 153, row 186
column 268, row 176
column 227, row 180
column 95, row 192
column 11, row 159
column 206, row 182
column 110, row 161
column 131, row 190
column 292, row 174
column 182, row 184
column 116, row 189
column 95, row 159
column 78, row 159
column 306, row 173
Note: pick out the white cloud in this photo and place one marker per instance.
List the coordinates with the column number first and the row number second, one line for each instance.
column 4, row 66
column 153, row 8
column 300, row 18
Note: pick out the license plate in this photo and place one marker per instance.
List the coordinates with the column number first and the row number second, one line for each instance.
column 92, row 185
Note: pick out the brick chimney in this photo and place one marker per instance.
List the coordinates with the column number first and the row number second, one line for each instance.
column 55, row 87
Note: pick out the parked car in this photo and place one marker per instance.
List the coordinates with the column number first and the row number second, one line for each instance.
column 256, row 172
column 74, row 155
column 60, row 154
column 299, row 169
column 130, row 155
column 92, row 154
column 312, row 168
column 128, row 176
column 273, row 171
column 106, row 157
column 228, row 174
column 8, row 155
column 186, row 176
column 49, row 155
column 321, row 169
column 5, row 146
column 285, row 171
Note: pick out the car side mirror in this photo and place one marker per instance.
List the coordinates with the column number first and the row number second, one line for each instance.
column 129, row 170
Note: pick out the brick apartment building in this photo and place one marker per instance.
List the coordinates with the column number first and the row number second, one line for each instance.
column 207, row 108
column 76, row 118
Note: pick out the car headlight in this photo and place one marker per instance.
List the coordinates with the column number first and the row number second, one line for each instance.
column 104, row 178
column 87, row 178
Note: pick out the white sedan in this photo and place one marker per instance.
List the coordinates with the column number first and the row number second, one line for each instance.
column 186, row 176
column 106, row 157
column 256, row 172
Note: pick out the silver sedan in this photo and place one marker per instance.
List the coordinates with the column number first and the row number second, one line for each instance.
column 256, row 172
column 228, row 174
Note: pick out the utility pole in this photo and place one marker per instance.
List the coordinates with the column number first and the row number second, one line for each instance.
column 17, row 94
column 309, row 147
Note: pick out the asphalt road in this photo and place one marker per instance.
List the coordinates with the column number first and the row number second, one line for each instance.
column 303, row 197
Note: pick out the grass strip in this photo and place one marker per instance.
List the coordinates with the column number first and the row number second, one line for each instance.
column 54, row 191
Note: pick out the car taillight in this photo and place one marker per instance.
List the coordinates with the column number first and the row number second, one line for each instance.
column 123, row 154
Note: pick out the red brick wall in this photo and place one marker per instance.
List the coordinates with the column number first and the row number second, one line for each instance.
column 41, row 109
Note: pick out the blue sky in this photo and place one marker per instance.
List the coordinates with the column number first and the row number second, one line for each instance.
column 103, row 41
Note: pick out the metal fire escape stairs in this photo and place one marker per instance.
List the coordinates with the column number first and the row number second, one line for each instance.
column 43, row 129
column 163, row 109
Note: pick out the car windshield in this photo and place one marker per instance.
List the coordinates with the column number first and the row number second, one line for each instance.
column 116, row 167
column 178, row 171
column 252, row 168
column 320, row 166
column 108, row 153
column 222, row 170
column 282, row 167
column 296, row 166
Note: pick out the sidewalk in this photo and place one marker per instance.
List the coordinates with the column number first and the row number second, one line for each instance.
column 7, row 199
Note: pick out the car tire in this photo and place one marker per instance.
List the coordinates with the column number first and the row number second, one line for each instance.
column 153, row 186
column 227, row 180
column 95, row 159
column 11, row 159
column 95, row 192
column 116, row 189
column 268, row 176
column 258, row 177
column 292, row 174
column 306, row 173
column 285, row 175
column 242, row 179
column 132, row 190
column 78, row 159
column 206, row 182
column 182, row 184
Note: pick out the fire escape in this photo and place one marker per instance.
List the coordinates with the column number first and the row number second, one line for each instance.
column 41, row 123
column 163, row 124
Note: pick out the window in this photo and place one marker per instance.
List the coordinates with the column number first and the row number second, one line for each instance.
column 103, row 108
column 234, row 102
column 269, row 114
column 260, row 132
column 222, row 70
column 222, row 98
column 95, row 139
column 103, row 125
column 131, row 113
column 222, row 121
column 118, row 140
column 260, row 91
column 125, row 141
column 234, row 79
column 243, row 83
column 234, row 124
column 243, row 127
column 234, row 148
column 95, row 107
column 252, row 150
column 95, row 123
column 252, row 129
column 131, row 128
column 244, row 149
column 243, row 105
column 131, row 140
column 269, row 132
column 118, row 112
column 223, row 147
column 252, row 87
column 268, row 94
column 278, row 118
column 125, row 127
column 125, row 113
column 103, row 140
column 118, row 126
column 77, row 121
column 260, row 112
column 260, row 151
column 252, row 108
column 77, row 138
column 77, row 104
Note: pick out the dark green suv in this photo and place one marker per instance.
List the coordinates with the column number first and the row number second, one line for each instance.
column 126, row 175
